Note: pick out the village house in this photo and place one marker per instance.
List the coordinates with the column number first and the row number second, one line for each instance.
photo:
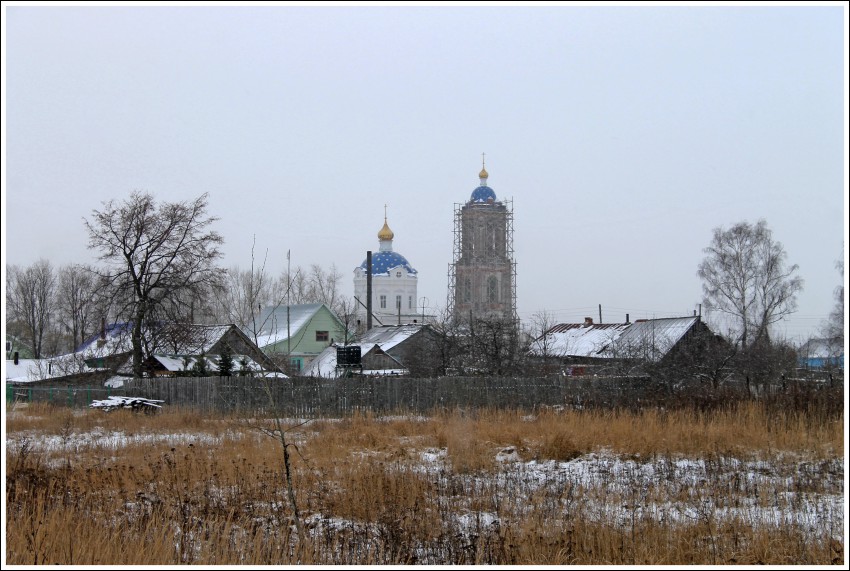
column 298, row 333
column 174, row 349
column 383, row 351
column 582, row 348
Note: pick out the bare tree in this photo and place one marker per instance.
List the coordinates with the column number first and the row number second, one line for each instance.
column 542, row 342
column 346, row 309
column 450, row 341
column 833, row 330
column 75, row 301
column 494, row 346
column 315, row 285
column 156, row 256
column 30, row 301
column 745, row 277
column 239, row 298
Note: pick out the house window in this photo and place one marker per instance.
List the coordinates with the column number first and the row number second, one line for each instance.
column 398, row 302
column 296, row 364
column 383, row 302
column 321, row 335
column 410, row 302
column 398, row 274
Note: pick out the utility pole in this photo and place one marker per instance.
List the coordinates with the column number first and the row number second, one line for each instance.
column 368, row 290
column 288, row 304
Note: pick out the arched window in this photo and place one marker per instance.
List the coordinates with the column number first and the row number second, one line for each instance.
column 493, row 289
column 490, row 238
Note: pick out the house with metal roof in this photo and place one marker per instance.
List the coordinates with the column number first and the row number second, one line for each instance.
column 821, row 354
column 385, row 350
column 172, row 342
column 645, row 340
column 15, row 344
column 586, row 340
column 299, row 332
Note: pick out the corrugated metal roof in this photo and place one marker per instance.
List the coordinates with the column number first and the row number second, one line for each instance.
column 578, row 339
column 653, row 338
column 648, row 339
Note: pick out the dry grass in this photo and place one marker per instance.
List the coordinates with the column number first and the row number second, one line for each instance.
column 187, row 488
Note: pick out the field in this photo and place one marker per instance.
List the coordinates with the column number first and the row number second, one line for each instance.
column 749, row 482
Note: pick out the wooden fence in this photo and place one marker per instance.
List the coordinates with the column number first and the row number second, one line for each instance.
column 309, row 397
column 315, row 397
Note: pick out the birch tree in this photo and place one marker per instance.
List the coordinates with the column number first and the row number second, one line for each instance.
column 745, row 276
column 75, row 301
column 30, row 301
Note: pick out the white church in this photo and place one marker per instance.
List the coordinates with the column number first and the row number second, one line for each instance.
column 393, row 285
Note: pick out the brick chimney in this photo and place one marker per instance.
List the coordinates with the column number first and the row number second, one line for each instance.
column 588, row 321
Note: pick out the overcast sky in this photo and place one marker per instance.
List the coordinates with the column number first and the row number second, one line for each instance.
column 623, row 134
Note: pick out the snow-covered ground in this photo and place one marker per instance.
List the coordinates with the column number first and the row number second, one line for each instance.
column 601, row 486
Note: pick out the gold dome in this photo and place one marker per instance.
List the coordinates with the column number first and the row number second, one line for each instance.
column 483, row 173
column 385, row 233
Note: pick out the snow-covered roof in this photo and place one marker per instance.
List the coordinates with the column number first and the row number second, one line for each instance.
column 821, row 349
column 323, row 365
column 388, row 336
column 26, row 371
column 30, row 370
column 653, row 338
column 578, row 339
column 385, row 338
column 182, row 339
column 648, row 339
column 272, row 322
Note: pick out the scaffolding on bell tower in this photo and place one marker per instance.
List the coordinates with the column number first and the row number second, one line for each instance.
column 482, row 274
column 456, row 253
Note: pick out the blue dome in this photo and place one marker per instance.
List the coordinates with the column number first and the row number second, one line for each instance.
column 483, row 194
column 382, row 262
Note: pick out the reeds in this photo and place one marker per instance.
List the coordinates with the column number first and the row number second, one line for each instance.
column 747, row 484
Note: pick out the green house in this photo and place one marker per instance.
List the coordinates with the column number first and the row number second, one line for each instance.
column 299, row 331
column 14, row 345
